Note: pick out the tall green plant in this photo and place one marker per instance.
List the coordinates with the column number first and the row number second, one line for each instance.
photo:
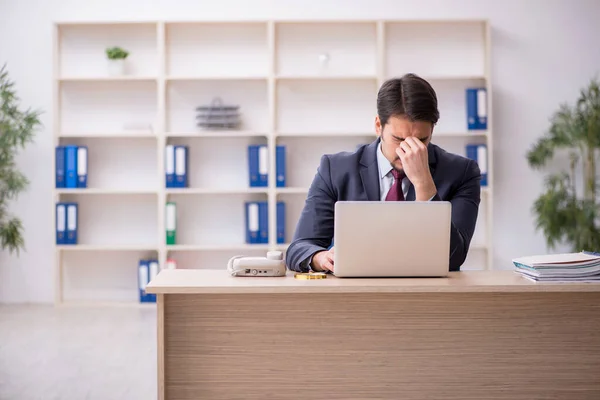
column 563, row 213
column 17, row 127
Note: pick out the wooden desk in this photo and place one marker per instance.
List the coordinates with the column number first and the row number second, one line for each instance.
column 474, row 335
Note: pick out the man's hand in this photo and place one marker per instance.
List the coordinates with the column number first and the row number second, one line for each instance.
column 323, row 261
column 415, row 163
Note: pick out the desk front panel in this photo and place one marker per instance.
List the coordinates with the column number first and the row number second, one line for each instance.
column 452, row 346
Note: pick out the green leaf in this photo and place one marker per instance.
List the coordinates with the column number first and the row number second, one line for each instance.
column 17, row 129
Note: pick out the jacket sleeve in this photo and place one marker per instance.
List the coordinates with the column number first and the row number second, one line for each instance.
column 465, row 207
column 314, row 231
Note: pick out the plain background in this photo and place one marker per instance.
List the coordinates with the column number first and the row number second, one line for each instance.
column 543, row 53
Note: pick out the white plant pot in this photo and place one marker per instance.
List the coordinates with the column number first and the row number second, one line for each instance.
column 116, row 67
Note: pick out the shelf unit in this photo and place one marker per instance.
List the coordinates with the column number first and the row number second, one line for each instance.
column 308, row 85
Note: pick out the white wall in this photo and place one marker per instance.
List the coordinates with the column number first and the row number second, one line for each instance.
column 543, row 52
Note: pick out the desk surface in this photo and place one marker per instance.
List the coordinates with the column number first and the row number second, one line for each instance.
column 218, row 281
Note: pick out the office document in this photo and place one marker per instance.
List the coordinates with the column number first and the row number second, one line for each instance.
column 60, row 180
column 252, row 222
column 61, row 223
column 171, row 222
column 170, row 166
column 476, row 108
column 181, row 166
column 581, row 266
column 280, row 165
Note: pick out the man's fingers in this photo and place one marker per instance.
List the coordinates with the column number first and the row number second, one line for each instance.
column 406, row 147
column 415, row 143
column 328, row 265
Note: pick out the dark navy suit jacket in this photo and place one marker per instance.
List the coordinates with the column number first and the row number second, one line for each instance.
column 355, row 176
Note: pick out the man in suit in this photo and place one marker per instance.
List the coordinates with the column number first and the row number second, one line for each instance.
column 400, row 165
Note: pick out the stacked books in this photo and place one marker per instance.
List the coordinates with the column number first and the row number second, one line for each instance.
column 218, row 116
column 583, row 266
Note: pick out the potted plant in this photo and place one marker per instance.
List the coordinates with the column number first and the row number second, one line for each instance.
column 116, row 60
column 566, row 213
column 17, row 128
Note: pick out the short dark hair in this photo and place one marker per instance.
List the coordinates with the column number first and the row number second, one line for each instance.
column 409, row 96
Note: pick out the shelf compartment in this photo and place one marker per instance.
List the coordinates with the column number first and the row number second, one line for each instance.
column 218, row 163
column 321, row 49
column 216, row 50
column 83, row 50
column 304, row 156
column 103, row 275
column 118, row 165
column 342, row 106
column 184, row 96
column 114, row 221
column 89, row 107
column 436, row 49
column 452, row 103
column 212, row 221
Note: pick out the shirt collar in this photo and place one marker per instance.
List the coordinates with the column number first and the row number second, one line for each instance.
column 383, row 164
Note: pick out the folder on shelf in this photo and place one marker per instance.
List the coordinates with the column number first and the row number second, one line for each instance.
column 181, row 166
column 280, row 222
column 280, row 166
column 71, row 166
column 60, row 167
column 263, row 222
column 61, row 223
column 263, row 166
column 252, row 222
column 153, row 269
column 143, row 280
column 171, row 222
column 170, row 166
column 478, row 152
column 82, row 166
column 476, row 108
column 72, row 222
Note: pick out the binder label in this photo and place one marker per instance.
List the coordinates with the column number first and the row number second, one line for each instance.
column 170, row 159
column 153, row 269
column 82, row 161
column 180, row 161
column 253, row 217
column 171, row 216
column 481, row 104
column 482, row 158
column 143, row 275
column 72, row 217
column 60, row 218
column 263, row 160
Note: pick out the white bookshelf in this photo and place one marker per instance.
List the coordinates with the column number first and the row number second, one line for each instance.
column 308, row 85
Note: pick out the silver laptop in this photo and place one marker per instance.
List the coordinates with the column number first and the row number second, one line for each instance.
column 392, row 239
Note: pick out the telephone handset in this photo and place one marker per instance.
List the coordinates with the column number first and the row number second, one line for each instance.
column 271, row 265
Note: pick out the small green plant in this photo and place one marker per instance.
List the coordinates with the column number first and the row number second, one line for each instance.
column 17, row 128
column 116, row 53
column 562, row 214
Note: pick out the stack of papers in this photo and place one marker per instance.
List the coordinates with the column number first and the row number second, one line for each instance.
column 567, row 267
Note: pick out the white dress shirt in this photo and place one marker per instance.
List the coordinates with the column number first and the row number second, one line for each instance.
column 386, row 179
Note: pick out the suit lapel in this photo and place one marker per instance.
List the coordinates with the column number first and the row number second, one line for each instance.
column 369, row 172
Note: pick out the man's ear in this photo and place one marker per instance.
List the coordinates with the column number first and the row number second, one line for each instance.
column 378, row 127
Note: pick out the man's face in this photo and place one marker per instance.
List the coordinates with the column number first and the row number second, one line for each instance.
column 396, row 131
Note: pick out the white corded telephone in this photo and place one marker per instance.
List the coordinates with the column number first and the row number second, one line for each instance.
column 271, row 265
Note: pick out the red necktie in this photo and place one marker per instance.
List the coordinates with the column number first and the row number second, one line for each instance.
column 395, row 193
